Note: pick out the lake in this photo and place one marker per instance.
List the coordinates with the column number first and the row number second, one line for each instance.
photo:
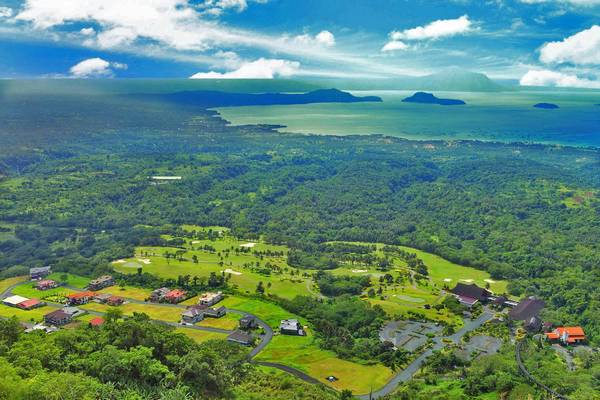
column 505, row 116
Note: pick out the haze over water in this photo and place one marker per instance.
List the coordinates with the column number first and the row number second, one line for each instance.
column 505, row 116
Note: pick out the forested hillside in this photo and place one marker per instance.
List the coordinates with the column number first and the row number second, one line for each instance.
column 76, row 190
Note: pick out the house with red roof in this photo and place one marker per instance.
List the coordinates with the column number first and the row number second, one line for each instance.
column 29, row 304
column 115, row 301
column 567, row 335
column 94, row 322
column 81, row 298
column 175, row 296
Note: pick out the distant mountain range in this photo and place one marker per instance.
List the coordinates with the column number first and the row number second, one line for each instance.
column 212, row 98
column 428, row 98
column 449, row 80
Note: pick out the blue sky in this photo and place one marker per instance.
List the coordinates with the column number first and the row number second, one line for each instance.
column 540, row 42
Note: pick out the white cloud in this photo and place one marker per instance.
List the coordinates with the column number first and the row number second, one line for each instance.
column 436, row 29
column 393, row 45
column 323, row 38
column 259, row 69
column 6, row 12
column 95, row 68
column 559, row 79
column 88, row 31
column 581, row 48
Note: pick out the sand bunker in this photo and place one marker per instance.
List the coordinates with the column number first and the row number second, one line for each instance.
column 232, row 272
column 360, row 271
column 144, row 260
column 196, row 241
column 467, row 280
column 248, row 245
column 447, row 280
column 489, row 281
column 119, row 261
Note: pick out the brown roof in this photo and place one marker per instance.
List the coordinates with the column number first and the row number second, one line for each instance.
column 526, row 309
column 58, row 314
column 240, row 337
column 472, row 291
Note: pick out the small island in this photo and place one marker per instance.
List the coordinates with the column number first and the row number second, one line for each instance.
column 429, row 98
column 546, row 106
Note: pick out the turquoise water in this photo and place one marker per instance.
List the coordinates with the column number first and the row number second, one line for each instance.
column 506, row 116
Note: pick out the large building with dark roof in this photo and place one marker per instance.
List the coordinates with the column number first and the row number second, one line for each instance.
column 526, row 309
column 470, row 294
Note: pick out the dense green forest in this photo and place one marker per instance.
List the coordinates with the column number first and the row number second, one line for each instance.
column 76, row 193
column 133, row 359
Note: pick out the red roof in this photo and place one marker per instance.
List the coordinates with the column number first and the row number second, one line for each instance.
column 81, row 295
column 28, row 303
column 574, row 333
column 96, row 321
column 175, row 293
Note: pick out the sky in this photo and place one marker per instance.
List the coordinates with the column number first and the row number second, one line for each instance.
column 537, row 42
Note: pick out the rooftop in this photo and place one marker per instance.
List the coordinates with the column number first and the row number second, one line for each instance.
column 29, row 303
column 526, row 309
column 471, row 290
column 14, row 300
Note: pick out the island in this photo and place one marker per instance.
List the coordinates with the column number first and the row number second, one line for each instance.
column 546, row 106
column 429, row 98
column 212, row 98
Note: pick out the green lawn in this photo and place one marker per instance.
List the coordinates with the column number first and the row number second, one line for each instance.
column 229, row 321
column 6, row 283
column 303, row 353
column 35, row 315
column 72, row 280
column 201, row 336
column 28, row 290
column 129, row 292
column 271, row 313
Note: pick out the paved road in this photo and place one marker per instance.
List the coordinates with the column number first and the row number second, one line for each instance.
column 416, row 365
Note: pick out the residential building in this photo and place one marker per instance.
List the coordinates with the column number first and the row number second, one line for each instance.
column 241, row 337
column 248, row 322
column 210, row 298
column 41, row 327
column 102, row 297
column 159, row 294
column 39, row 273
column 95, row 322
column 469, row 295
column 101, row 282
column 80, row 298
column 533, row 324
column 215, row 312
column 115, row 301
column 46, row 284
column 73, row 311
column 567, row 335
column 13, row 301
column 526, row 309
column 291, row 327
column 58, row 318
column 175, row 296
column 30, row 304
column 193, row 314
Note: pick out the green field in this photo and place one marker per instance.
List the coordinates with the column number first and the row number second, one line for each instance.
column 271, row 313
column 229, row 321
column 303, row 353
column 6, row 283
column 129, row 292
column 35, row 315
column 152, row 260
column 72, row 280
column 28, row 290
column 201, row 336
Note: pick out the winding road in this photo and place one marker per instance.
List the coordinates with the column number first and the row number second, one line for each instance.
column 398, row 378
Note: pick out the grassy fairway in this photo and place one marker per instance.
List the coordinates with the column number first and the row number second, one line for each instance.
column 151, row 260
column 72, row 280
column 229, row 321
column 6, row 283
column 156, row 312
column 35, row 315
column 303, row 353
column 440, row 269
column 201, row 336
